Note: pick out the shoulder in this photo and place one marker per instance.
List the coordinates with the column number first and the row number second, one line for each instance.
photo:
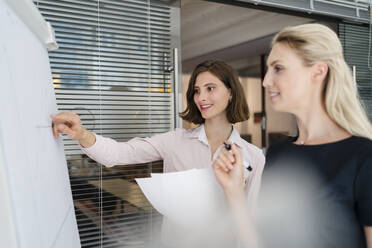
column 178, row 133
column 358, row 148
column 363, row 143
column 363, row 148
column 166, row 140
column 186, row 133
column 251, row 151
column 363, row 154
column 192, row 133
column 250, row 147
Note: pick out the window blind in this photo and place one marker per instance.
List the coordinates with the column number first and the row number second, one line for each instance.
column 356, row 42
column 111, row 68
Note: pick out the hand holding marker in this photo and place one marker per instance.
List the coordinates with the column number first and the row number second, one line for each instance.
column 229, row 169
column 228, row 147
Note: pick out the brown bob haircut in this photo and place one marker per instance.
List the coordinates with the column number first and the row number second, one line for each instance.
column 237, row 109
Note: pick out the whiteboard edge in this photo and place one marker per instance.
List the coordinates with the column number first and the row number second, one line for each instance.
column 30, row 15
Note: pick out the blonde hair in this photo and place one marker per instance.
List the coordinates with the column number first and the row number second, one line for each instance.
column 315, row 43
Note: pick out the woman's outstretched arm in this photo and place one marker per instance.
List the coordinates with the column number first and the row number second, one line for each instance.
column 107, row 151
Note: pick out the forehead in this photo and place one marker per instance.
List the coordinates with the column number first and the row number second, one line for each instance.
column 283, row 53
column 206, row 78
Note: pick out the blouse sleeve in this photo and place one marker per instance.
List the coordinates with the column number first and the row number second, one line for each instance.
column 363, row 191
column 109, row 152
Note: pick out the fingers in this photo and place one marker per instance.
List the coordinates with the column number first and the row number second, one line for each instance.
column 68, row 118
column 228, row 159
column 55, row 130
column 225, row 160
column 67, row 123
column 223, row 165
column 62, row 128
column 237, row 154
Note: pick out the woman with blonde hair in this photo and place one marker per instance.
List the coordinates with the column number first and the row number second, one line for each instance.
column 317, row 187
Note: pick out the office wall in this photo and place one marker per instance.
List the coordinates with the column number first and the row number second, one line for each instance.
column 252, row 89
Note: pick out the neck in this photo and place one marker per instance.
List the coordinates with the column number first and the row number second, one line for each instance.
column 217, row 130
column 316, row 127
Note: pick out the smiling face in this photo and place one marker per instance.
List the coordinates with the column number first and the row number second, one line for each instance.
column 288, row 80
column 211, row 96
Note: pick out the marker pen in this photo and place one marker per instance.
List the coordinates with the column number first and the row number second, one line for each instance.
column 228, row 147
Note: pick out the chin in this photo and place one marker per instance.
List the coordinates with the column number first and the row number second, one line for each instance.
column 278, row 108
column 206, row 117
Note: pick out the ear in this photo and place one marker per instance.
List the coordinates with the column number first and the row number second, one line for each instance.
column 320, row 71
column 230, row 98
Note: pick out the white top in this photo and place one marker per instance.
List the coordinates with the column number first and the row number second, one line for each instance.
column 180, row 150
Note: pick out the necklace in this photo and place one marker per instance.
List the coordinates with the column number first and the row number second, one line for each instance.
column 301, row 143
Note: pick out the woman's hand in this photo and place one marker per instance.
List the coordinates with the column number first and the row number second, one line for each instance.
column 229, row 171
column 69, row 123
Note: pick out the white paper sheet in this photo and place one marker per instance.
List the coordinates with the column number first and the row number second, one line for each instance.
column 189, row 198
column 152, row 189
column 194, row 208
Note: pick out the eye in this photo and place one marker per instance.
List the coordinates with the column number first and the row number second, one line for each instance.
column 210, row 88
column 196, row 91
column 278, row 68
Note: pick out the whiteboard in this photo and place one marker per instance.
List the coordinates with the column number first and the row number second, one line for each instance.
column 33, row 161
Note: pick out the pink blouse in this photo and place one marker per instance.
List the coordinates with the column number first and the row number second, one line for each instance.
column 180, row 150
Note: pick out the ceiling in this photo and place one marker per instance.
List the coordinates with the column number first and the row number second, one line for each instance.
column 235, row 34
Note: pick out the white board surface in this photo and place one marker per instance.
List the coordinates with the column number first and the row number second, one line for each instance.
column 34, row 161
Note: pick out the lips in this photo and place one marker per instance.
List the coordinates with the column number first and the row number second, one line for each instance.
column 205, row 106
column 273, row 95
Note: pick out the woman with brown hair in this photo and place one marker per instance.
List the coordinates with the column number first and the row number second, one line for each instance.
column 215, row 101
column 316, row 188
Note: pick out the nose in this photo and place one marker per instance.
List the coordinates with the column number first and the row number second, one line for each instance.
column 267, row 80
column 202, row 96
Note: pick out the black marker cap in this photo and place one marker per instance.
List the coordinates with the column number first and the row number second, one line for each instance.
column 227, row 146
